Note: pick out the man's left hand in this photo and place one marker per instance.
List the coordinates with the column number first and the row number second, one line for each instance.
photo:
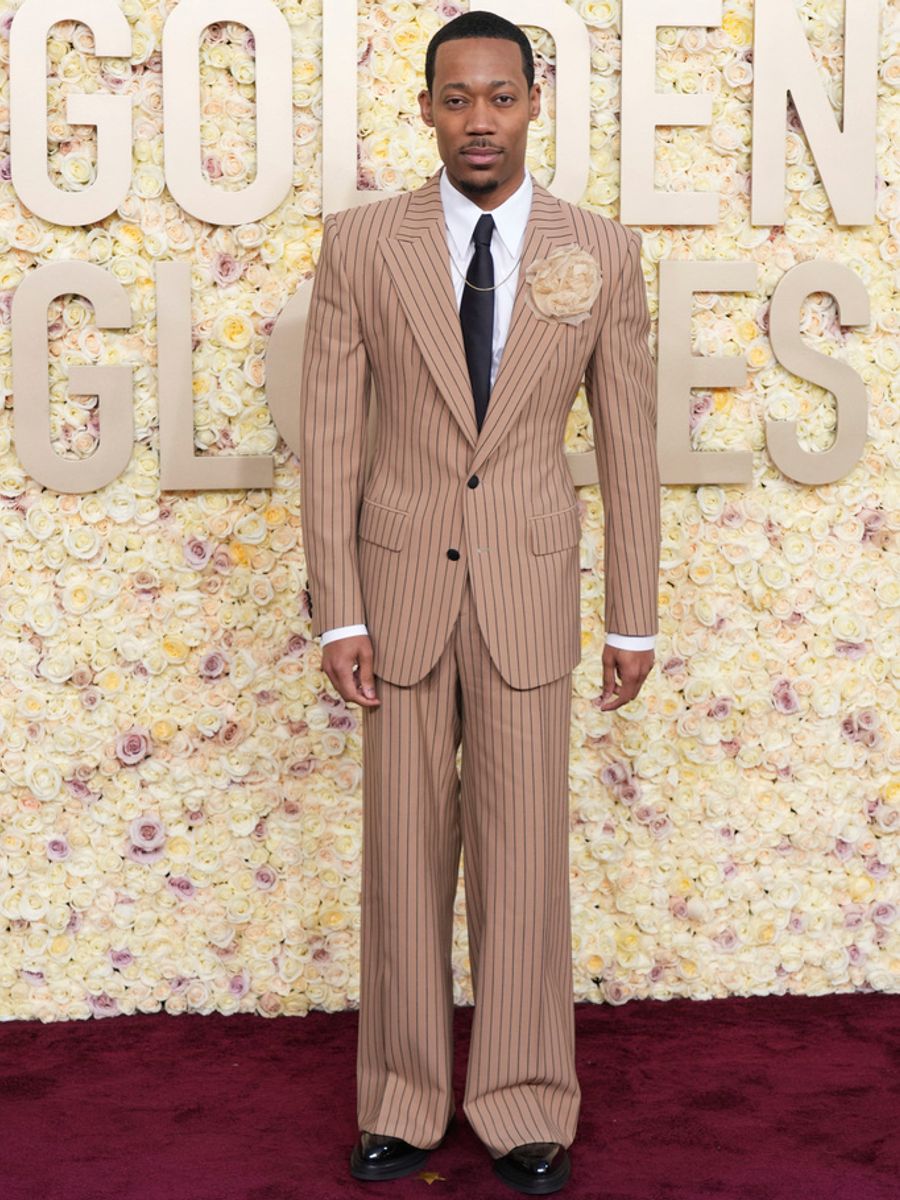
column 631, row 666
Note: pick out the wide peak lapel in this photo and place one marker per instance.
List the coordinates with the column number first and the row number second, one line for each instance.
column 530, row 339
column 417, row 257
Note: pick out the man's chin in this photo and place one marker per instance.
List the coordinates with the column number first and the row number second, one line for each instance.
column 477, row 182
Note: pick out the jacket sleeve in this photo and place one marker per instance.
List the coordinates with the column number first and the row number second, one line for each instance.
column 621, row 396
column 334, row 403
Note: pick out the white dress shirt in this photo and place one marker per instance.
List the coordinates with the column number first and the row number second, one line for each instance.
column 510, row 218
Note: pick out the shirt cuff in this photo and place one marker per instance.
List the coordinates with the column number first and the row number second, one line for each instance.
column 331, row 635
column 621, row 640
column 627, row 641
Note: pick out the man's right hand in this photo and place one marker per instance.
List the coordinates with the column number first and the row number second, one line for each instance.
column 347, row 661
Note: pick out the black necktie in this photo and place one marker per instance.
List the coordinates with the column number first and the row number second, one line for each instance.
column 476, row 313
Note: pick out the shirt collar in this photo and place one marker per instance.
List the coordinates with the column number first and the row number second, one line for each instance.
column 510, row 218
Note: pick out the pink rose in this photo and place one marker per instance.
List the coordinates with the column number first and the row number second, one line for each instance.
column 613, row 773
column 196, row 552
column 851, row 650
column 239, row 985
column 132, row 745
column 212, row 665
column 103, row 1005
column 726, row 939
column 784, row 698
column 884, row 913
column 265, row 878
column 147, row 833
column 225, row 269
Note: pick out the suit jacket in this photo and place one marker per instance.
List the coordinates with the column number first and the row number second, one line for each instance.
column 390, row 545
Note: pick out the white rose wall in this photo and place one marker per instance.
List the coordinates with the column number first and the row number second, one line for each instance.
column 180, row 785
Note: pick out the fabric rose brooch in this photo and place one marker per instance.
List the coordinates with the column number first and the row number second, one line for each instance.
column 563, row 286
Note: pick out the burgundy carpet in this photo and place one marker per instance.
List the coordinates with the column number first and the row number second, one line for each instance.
column 744, row 1098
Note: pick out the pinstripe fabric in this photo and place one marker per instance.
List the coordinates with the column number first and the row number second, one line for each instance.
column 472, row 649
column 383, row 309
column 508, row 811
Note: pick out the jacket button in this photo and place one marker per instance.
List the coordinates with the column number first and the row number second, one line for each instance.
column 452, row 553
column 473, row 481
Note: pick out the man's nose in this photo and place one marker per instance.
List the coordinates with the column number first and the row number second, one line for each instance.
column 481, row 116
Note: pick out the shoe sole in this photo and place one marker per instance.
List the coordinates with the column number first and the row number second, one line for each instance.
column 394, row 1170
column 397, row 1169
column 534, row 1187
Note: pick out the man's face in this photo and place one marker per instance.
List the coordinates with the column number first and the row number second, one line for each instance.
column 480, row 106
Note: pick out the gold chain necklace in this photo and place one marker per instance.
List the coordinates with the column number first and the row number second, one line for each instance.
column 473, row 286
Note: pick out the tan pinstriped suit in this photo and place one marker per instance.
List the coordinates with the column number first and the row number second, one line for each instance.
column 458, row 549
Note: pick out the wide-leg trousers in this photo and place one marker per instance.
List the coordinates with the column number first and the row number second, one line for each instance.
column 507, row 809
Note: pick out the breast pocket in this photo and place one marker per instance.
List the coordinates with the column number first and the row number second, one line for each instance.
column 388, row 527
column 560, row 530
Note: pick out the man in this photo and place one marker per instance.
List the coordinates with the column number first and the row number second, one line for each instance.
column 449, row 573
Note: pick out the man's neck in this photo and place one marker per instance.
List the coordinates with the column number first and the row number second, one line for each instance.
column 489, row 200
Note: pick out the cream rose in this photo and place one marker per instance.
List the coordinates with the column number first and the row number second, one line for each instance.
column 564, row 285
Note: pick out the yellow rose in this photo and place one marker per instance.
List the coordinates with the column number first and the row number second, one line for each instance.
column 233, row 330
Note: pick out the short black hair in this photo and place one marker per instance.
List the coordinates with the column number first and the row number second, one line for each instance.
column 480, row 24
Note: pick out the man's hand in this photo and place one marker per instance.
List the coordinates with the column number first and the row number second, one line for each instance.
column 347, row 661
column 632, row 667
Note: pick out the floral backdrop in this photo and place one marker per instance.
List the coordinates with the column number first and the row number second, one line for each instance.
column 180, row 822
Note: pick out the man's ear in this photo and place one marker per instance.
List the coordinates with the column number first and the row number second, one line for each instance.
column 425, row 106
column 535, row 98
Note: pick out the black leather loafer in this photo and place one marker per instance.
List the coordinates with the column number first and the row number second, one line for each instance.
column 536, row 1167
column 382, row 1156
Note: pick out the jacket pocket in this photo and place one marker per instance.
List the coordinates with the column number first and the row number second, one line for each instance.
column 388, row 527
column 560, row 530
